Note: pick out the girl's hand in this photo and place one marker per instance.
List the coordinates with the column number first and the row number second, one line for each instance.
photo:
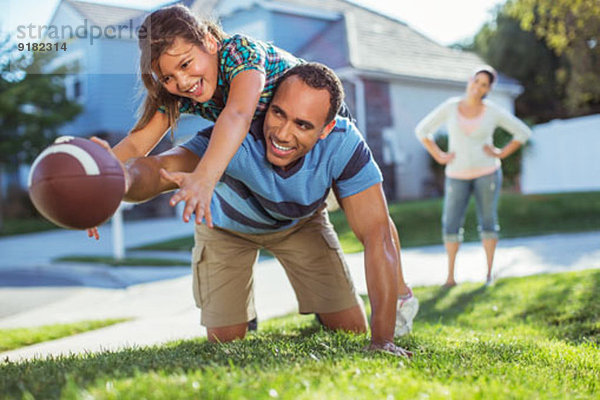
column 93, row 232
column 492, row 151
column 444, row 158
column 105, row 144
column 195, row 192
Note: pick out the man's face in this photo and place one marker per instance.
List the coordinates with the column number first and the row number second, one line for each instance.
column 295, row 120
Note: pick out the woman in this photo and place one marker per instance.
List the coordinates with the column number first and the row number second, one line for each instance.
column 472, row 162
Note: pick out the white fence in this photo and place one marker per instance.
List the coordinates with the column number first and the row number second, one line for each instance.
column 564, row 156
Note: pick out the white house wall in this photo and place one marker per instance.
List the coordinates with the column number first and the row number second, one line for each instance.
column 254, row 23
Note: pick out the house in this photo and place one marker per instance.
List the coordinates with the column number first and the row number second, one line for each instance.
column 393, row 75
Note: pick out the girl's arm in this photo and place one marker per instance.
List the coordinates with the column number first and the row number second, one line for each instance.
column 228, row 133
column 141, row 142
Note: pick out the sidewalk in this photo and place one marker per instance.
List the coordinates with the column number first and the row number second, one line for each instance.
column 163, row 310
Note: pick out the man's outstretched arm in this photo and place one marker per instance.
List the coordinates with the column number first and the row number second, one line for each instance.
column 144, row 180
column 142, row 175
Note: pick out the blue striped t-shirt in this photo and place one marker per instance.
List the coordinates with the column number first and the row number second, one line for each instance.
column 254, row 196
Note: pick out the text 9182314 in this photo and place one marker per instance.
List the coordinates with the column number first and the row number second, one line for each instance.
column 42, row 46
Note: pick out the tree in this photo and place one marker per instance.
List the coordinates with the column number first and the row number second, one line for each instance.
column 571, row 28
column 523, row 56
column 33, row 105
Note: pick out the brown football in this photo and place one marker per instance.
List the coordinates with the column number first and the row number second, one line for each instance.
column 76, row 183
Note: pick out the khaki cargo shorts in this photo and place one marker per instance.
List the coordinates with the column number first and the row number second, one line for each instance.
column 223, row 260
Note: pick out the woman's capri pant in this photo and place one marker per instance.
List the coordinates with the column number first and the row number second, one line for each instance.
column 456, row 200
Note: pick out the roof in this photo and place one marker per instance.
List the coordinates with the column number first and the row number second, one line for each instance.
column 375, row 42
column 103, row 15
column 388, row 45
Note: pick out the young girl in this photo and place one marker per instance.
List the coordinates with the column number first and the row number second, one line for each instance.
column 188, row 66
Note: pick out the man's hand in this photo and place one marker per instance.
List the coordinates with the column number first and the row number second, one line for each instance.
column 195, row 192
column 390, row 348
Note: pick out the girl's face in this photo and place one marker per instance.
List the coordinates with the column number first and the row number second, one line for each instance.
column 188, row 70
column 478, row 86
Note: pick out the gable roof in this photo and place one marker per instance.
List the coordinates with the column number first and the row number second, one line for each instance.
column 380, row 43
column 103, row 15
column 374, row 42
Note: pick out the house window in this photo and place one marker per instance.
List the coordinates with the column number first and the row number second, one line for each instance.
column 74, row 88
column 75, row 84
column 77, row 89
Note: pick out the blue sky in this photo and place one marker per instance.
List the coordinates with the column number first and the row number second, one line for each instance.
column 442, row 20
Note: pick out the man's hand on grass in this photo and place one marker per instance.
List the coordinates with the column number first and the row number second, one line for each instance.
column 390, row 348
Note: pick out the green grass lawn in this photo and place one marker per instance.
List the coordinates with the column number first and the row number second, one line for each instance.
column 13, row 226
column 18, row 337
column 524, row 338
column 419, row 222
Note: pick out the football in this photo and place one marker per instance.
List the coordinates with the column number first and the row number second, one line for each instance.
column 76, row 183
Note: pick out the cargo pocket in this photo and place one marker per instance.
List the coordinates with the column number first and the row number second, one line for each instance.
column 331, row 239
column 334, row 251
column 199, row 275
column 344, row 282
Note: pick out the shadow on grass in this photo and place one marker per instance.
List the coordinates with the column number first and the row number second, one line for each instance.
column 445, row 306
column 570, row 311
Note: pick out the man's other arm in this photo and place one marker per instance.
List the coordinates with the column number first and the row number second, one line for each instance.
column 368, row 216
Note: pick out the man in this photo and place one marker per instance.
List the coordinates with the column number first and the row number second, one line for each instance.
column 272, row 196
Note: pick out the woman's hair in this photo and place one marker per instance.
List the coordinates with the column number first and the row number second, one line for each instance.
column 156, row 35
column 319, row 76
column 489, row 71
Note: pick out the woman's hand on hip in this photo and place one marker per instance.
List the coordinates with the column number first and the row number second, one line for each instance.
column 492, row 151
column 444, row 158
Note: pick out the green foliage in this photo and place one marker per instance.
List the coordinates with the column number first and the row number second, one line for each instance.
column 571, row 28
column 532, row 337
column 511, row 165
column 19, row 337
column 523, row 56
column 33, row 103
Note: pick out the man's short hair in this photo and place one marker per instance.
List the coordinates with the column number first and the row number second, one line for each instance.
column 319, row 76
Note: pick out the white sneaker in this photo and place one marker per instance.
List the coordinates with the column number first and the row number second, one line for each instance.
column 406, row 311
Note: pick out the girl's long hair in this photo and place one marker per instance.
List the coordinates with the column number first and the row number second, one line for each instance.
column 156, row 35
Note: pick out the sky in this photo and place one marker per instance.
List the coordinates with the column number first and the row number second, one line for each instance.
column 445, row 21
